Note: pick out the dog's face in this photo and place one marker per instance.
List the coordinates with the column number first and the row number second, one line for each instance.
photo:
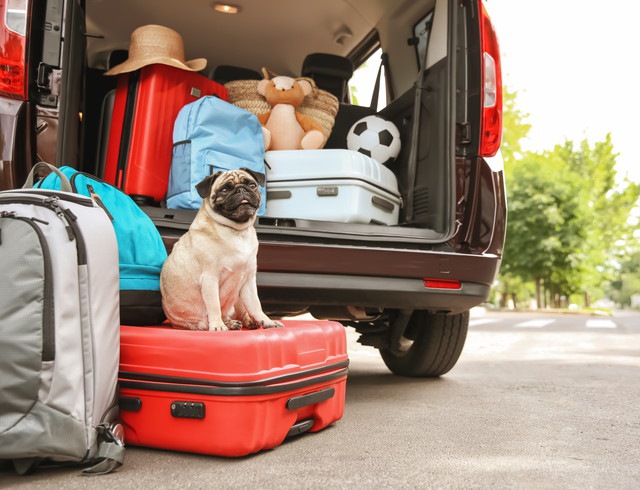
column 233, row 194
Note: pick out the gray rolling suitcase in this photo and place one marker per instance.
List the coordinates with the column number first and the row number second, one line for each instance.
column 59, row 331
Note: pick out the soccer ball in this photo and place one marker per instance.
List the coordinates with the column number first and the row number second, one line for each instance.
column 376, row 138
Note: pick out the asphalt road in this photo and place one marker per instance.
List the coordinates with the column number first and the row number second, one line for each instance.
column 536, row 401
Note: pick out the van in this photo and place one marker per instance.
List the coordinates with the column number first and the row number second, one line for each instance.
column 430, row 67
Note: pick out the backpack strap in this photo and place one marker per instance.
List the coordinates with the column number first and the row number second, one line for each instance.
column 109, row 458
column 110, row 455
column 65, row 185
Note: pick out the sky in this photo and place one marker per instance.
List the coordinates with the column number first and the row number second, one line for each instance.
column 574, row 65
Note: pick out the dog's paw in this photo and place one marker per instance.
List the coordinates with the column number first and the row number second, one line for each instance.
column 233, row 324
column 272, row 324
column 218, row 328
column 253, row 324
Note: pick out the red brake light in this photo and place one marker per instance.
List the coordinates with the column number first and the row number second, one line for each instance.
column 13, row 48
column 442, row 283
column 491, row 133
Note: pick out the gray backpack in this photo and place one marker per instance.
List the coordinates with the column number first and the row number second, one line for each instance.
column 59, row 331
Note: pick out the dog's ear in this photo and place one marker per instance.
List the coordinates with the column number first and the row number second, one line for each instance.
column 204, row 187
column 260, row 177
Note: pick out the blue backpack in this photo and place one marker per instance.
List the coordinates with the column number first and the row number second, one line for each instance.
column 141, row 250
column 209, row 135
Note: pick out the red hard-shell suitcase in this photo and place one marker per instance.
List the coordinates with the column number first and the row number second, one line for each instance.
column 146, row 105
column 230, row 393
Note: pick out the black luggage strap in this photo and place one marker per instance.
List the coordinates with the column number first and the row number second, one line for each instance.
column 133, row 81
column 384, row 64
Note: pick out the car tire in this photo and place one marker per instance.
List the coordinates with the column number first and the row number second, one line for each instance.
column 430, row 346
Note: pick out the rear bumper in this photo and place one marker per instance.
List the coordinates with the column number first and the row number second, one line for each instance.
column 277, row 288
column 308, row 274
column 297, row 271
column 376, row 262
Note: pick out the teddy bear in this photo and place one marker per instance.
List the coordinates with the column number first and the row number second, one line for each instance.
column 285, row 128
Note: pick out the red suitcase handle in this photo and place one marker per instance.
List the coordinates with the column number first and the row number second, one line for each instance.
column 310, row 399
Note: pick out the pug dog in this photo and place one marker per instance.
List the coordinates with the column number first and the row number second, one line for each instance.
column 208, row 281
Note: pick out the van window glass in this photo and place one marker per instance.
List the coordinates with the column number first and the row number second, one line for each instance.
column 421, row 36
column 15, row 17
column 362, row 83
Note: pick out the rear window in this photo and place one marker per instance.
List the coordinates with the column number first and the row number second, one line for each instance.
column 421, row 31
column 363, row 82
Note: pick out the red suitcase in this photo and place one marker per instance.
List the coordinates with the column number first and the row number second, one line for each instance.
column 230, row 393
column 146, row 105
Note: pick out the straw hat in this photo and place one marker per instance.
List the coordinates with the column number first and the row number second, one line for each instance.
column 156, row 44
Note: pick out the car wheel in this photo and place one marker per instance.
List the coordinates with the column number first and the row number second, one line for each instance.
column 430, row 345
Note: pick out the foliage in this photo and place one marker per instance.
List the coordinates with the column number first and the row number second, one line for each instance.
column 627, row 282
column 568, row 217
column 514, row 129
column 548, row 224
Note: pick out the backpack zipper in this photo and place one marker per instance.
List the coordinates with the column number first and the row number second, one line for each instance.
column 48, row 306
column 74, row 198
column 91, row 191
column 51, row 201
column 98, row 201
column 73, row 230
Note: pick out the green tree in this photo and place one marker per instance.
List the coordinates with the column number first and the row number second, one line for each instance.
column 627, row 282
column 611, row 202
column 514, row 129
column 568, row 217
column 546, row 226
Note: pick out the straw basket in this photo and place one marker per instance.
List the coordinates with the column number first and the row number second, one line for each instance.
column 320, row 105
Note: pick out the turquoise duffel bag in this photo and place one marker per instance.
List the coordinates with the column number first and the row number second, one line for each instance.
column 141, row 251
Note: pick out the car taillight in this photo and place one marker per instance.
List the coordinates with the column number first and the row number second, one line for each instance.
column 491, row 127
column 13, row 48
column 442, row 283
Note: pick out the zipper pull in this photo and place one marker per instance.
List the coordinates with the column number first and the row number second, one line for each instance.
column 64, row 214
column 6, row 214
column 69, row 216
column 52, row 200
column 98, row 201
